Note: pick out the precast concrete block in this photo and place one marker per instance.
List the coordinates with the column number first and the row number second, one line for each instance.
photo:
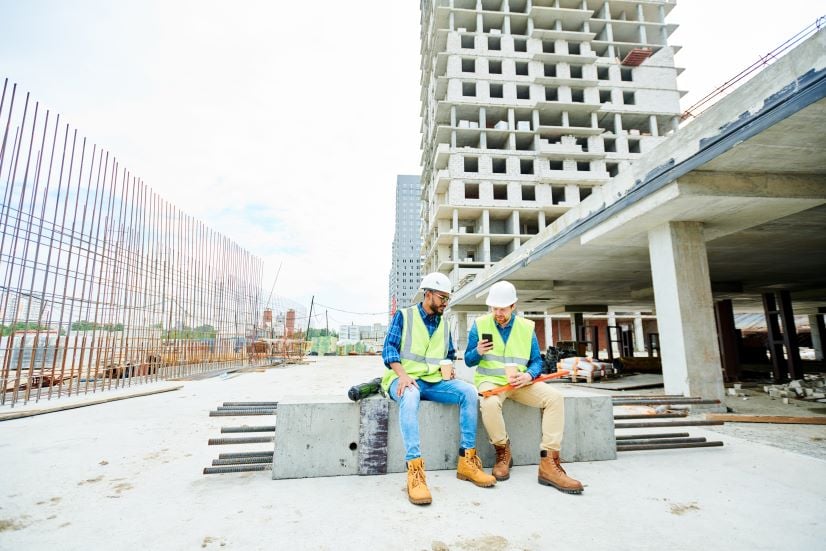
column 589, row 427
column 438, row 432
column 316, row 436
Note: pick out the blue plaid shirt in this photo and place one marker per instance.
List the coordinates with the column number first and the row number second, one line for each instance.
column 393, row 339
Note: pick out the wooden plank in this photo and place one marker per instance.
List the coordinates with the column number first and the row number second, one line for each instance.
column 32, row 412
column 779, row 419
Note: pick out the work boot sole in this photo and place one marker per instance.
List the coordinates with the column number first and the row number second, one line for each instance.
column 420, row 501
column 560, row 488
column 480, row 484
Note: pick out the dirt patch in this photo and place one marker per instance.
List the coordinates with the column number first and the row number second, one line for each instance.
column 682, row 508
column 11, row 525
column 484, row 543
column 90, row 480
column 209, row 540
column 122, row 487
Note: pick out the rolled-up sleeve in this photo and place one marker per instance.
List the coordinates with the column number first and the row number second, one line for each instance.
column 472, row 357
column 392, row 341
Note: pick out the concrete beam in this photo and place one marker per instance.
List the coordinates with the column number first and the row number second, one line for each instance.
column 320, row 436
column 685, row 314
column 579, row 308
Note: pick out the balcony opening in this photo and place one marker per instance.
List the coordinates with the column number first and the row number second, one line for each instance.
column 495, row 66
column 550, row 70
column 526, row 166
column 471, row 191
column 574, row 48
column 494, row 43
column 522, row 68
column 524, row 143
column 628, row 98
column 583, row 144
column 634, row 146
column 469, row 89
column 468, row 65
column 500, row 166
column 626, row 75
column 551, row 94
column 523, row 92
column 529, row 193
column 602, row 73
column 578, row 96
column 556, row 165
column 605, row 96
column 612, row 168
column 519, row 44
column 584, row 192
column 468, row 42
column 576, row 71
column 610, row 145
column 548, row 47
column 557, row 194
column 500, row 192
column 583, row 166
column 471, row 164
column 496, row 91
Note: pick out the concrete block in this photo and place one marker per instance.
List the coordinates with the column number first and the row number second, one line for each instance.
column 320, row 436
column 316, row 436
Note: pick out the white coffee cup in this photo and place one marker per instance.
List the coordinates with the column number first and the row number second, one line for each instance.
column 447, row 369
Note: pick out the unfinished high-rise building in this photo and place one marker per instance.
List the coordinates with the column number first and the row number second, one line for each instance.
column 406, row 270
column 527, row 106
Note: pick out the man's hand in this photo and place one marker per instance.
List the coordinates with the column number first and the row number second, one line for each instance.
column 405, row 381
column 483, row 347
column 520, row 379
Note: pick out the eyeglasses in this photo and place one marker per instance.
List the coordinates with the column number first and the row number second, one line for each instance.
column 442, row 298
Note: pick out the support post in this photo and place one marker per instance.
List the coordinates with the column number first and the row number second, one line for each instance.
column 728, row 339
column 685, row 311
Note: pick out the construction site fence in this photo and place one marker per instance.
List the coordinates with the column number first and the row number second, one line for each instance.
column 103, row 282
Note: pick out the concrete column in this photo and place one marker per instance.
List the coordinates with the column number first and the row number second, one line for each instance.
column 641, row 19
column 486, row 221
column 816, row 326
column 486, row 250
column 685, row 310
column 612, row 321
column 639, row 334
column 577, row 321
column 566, row 120
column 486, row 239
column 460, row 338
column 540, row 219
column 455, row 223
column 506, row 28
column 652, row 125
column 451, row 21
column 549, row 331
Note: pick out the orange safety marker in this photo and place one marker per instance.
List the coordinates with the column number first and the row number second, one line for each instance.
column 546, row 377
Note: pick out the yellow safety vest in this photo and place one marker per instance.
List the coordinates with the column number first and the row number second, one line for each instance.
column 517, row 350
column 420, row 352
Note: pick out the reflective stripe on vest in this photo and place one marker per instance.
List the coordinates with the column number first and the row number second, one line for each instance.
column 517, row 350
column 420, row 352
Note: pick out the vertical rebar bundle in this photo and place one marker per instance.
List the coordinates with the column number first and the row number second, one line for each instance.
column 103, row 283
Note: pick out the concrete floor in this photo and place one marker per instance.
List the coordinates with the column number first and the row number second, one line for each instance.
column 128, row 473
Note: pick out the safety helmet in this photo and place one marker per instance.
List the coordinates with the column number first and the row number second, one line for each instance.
column 436, row 281
column 501, row 294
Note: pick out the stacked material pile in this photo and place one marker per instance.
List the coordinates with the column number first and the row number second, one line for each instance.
column 811, row 388
column 585, row 368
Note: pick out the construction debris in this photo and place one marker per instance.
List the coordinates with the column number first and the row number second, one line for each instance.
column 811, row 388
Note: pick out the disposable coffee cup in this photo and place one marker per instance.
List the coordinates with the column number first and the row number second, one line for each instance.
column 511, row 369
column 447, row 369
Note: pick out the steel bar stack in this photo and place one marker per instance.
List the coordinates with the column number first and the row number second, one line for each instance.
column 238, row 462
column 660, row 441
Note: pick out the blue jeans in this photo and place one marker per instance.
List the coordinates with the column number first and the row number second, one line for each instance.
column 453, row 391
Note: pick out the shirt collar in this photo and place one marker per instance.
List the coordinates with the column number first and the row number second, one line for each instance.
column 507, row 325
column 425, row 315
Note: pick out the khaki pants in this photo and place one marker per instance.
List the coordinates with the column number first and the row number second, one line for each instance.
column 539, row 395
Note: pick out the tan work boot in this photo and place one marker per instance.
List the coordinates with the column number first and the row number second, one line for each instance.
column 504, row 461
column 417, row 491
column 470, row 468
column 551, row 473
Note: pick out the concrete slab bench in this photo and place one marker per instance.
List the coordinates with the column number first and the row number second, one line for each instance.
column 333, row 436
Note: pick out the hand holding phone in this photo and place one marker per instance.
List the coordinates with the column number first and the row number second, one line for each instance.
column 486, row 344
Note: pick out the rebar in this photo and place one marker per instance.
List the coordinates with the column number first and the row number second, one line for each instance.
column 237, row 469
column 103, row 283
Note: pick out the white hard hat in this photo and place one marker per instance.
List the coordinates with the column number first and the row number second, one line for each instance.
column 501, row 294
column 436, row 281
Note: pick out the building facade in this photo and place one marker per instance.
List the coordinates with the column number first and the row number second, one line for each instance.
column 527, row 107
column 406, row 270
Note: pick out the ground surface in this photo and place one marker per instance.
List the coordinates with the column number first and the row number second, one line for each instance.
column 128, row 474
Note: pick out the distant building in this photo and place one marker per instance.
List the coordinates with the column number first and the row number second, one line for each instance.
column 406, row 264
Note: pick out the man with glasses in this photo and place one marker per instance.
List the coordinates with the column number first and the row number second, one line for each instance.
column 417, row 340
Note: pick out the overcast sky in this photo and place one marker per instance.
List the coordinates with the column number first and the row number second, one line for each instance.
column 283, row 125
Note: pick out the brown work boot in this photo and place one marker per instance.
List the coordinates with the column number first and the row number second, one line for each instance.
column 417, row 491
column 470, row 468
column 504, row 461
column 551, row 473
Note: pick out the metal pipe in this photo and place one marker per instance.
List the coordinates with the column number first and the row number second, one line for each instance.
column 667, row 424
column 668, row 446
column 241, row 440
column 625, row 443
column 652, row 435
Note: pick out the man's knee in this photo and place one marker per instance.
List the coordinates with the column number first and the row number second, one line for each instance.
column 490, row 404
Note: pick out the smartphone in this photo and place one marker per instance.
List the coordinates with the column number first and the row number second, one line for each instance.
column 487, row 337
